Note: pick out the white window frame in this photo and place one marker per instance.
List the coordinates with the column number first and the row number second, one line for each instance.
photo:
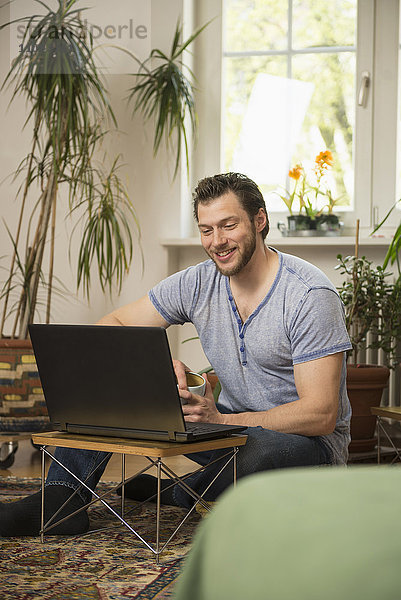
column 376, row 122
column 385, row 100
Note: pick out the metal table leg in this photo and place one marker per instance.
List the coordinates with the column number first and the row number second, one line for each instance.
column 235, row 452
column 159, row 463
column 379, row 426
column 123, row 486
column 161, row 468
column 42, row 505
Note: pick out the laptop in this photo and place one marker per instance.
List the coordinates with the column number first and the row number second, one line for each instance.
column 114, row 381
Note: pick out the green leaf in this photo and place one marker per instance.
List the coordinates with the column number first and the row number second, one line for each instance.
column 166, row 95
column 69, row 110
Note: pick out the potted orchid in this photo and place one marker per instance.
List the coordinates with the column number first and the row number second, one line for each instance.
column 312, row 198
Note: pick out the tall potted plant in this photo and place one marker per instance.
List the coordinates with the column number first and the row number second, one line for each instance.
column 68, row 111
column 56, row 73
column 68, row 106
column 372, row 302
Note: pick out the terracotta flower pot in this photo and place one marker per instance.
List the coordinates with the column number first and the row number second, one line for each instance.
column 214, row 382
column 365, row 385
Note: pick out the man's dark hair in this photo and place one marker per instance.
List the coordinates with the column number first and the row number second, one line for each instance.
column 245, row 189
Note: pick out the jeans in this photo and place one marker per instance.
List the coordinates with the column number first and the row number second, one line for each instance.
column 264, row 450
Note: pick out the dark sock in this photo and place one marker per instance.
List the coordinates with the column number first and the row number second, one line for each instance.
column 22, row 517
column 144, row 486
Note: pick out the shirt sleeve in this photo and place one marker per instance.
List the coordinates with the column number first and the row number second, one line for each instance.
column 318, row 326
column 175, row 296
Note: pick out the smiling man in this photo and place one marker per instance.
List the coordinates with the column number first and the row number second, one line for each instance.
column 231, row 240
column 272, row 327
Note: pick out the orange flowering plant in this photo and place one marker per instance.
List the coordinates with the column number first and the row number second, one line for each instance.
column 307, row 188
column 297, row 174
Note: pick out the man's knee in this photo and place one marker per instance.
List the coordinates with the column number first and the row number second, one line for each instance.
column 267, row 450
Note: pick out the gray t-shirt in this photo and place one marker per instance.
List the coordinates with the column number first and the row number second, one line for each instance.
column 300, row 319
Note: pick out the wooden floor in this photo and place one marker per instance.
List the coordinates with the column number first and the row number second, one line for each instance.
column 28, row 464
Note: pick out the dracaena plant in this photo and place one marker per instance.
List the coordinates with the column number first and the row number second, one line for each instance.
column 69, row 113
column 164, row 92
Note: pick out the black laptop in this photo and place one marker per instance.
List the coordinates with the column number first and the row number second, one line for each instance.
column 114, row 381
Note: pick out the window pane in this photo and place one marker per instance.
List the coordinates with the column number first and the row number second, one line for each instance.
column 320, row 23
column 284, row 109
column 240, row 75
column 329, row 120
column 255, row 25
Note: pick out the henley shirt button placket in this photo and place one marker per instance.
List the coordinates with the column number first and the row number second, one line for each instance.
column 242, row 348
column 241, row 334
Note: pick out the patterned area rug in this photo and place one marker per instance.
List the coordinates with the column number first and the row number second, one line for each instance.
column 106, row 565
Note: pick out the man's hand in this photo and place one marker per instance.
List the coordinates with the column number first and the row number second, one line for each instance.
column 200, row 409
column 180, row 369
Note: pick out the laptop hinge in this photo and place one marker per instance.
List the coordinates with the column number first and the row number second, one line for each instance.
column 171, row 436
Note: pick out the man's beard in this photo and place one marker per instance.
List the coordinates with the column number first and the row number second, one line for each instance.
column 244, row 257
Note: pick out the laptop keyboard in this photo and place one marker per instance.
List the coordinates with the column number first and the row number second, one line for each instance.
column 204, row 427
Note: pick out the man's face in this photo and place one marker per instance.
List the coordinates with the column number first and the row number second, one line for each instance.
column 227, row 234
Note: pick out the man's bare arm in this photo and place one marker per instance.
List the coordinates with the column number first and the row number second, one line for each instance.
column 314, row 413
column 140, row 313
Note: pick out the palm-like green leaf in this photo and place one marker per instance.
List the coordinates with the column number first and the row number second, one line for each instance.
column 166, row 94
column 68, row 108
column 394, row 249
column 107, row 232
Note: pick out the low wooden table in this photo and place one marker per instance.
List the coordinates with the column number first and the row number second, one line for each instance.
column 386, row 412
column 155, row 452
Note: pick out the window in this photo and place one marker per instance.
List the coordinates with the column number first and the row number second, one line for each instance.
column 314, row 53
column 289, row 90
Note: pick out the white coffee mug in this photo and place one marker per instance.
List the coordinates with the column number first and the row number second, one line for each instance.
column 196, row 384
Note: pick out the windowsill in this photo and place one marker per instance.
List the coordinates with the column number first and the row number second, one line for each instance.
column 341, row 240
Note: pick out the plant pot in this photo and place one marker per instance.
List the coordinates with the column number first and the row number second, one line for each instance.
column 305, row 226
column 300, row 223
column 214, row 382
column 365, row 385
column 22, row 404
column 298, row 226
column 213, row 379
column 329, row 225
